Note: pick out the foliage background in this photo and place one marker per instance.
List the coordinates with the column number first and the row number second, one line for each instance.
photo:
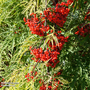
column 15, row 39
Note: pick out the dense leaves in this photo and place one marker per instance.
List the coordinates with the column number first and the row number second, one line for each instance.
column 48, row 49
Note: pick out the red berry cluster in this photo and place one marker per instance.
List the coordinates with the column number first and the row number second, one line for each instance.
column 43, row 87
column 67, row 3
column 87, row 16
column 56, row 83
column 57, row 15
column 58, row 73
column 83, row 31
column 36, row 26
column 2, row 83
column 28, row 76
column 48, row 55
column 70, row 1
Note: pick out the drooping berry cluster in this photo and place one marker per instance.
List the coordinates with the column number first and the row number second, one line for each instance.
column 83, row 31
column 57, row 15
column 36, row 26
